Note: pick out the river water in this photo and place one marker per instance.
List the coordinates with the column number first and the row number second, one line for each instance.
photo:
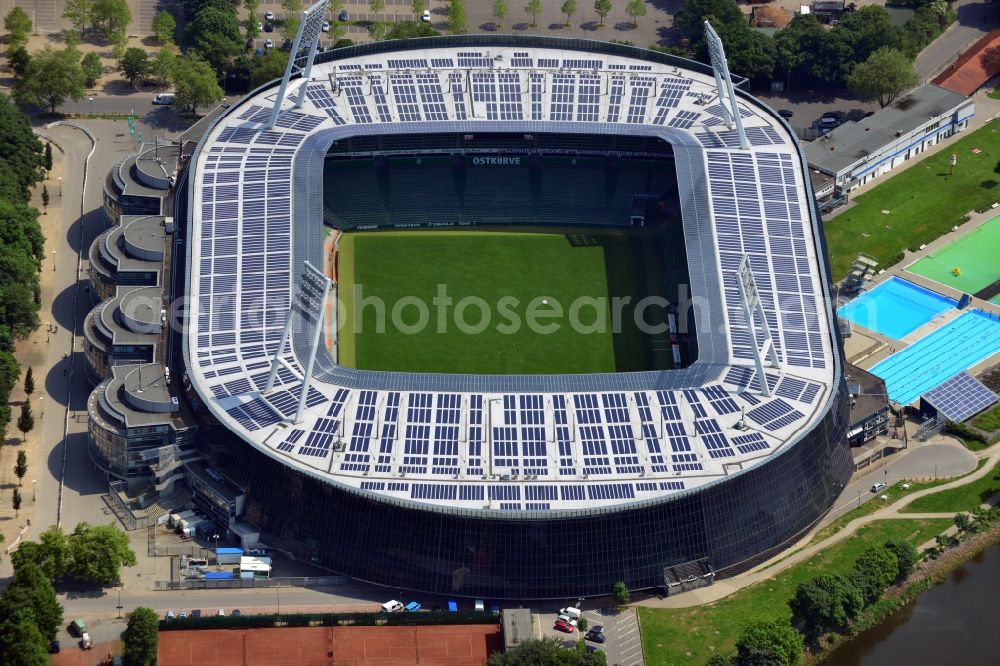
column 956, row 622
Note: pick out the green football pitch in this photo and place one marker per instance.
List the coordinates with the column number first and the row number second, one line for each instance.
column 508, row 301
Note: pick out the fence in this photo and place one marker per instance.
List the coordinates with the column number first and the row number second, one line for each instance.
column 328, row 620
column 240, row 583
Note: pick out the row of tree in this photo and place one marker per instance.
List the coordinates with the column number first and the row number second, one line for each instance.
column 547, row 652
column 30, row 616
column 805, row 52
column 821, row 605
column 89, row 554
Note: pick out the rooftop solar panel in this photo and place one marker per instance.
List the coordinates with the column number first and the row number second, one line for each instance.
column 961, row 397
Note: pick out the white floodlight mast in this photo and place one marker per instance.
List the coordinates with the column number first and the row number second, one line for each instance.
column 310, row 26
column 724, row 84
column 750, row 299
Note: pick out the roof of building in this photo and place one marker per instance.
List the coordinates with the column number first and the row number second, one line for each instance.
column 124, row 400
column 853, row 141
column 868, row 393
column 974, row 68
column 355, row 422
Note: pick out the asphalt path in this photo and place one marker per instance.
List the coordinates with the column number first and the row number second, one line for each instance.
column 975, row 20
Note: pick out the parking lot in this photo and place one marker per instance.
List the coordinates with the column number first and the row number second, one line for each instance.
column 623, row 644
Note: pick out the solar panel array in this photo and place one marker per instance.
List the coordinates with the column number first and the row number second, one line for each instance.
column 961, row 397
column 510, row 451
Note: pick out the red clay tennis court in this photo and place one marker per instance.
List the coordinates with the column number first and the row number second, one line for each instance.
column 446, row 645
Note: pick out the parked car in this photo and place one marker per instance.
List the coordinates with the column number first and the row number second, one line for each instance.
column 343, row 15
column 170, row 615
column 567, row 619
column 54, row 647
column 183, row 615
column 268, row 43
column 480, row 606
column 268, row 16
column 426, row 16
column 325, row 27
column 392, row 606
column 164, row 99
column 196, row 612
column 562, row 626
column 878, row 487
column 221, row 613
column 78, row 627
column 596, row 636
column 268, row 27
column 236, row 612
column 86, row 643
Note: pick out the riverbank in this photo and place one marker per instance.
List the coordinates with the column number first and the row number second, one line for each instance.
column 930, row 573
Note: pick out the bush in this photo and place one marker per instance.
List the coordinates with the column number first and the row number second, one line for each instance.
column 965, row 432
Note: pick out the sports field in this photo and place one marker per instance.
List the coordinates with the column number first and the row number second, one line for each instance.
column 498, row 302
column 974, row 257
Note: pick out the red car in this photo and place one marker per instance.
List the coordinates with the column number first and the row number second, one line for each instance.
column 564, row 626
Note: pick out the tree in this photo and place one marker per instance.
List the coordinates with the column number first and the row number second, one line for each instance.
column 602, row 8
column 111, row 18
column 162, row 66
column 376, row 31
column 882, row 77
column 80, row 14
column 718, row 660
column 867, row 30
column 26, row 421
column 16, row 502
column 534, row 8
column 620, row 593
column 964, row 523
column 456, row 17
column 92, row 68
column 29, row 376
column 97, row 553
column 376, row 5
column 140, row 637
column 164, row 25
column 824, row 604
column 47, row 164
column 875, row 570
column 418, row 7
column 547, row 652
column 45, row 196
column 134, row 65
column 18, row 59
column 635, row 9
column 21, row 467
column 253, row 25
column 50, row 554
column 582, row 624
column 499, row 11
column 939, row 8
column 690, row 18
column 31, row 585
column 21, row 644
column 18, row 24
column 268, row 67
column 906, row 556
column 568, row 9
column 51, row 78
column 769, row 643
column 407, row 29
column 215, row 34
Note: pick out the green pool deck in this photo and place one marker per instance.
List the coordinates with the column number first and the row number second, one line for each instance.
column 968, row 263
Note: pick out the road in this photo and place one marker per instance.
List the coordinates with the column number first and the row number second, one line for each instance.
column 975, row 19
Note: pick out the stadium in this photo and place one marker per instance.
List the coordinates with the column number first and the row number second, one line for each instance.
column 557, row 319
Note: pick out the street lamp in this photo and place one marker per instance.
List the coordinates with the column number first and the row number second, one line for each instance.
column 119, row 602
column 859, row 499
column 34, row 489
column 60, row 185
column 53, row 261
column 91, row 105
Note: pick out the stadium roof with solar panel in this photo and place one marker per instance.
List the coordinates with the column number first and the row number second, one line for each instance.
column 524, row 443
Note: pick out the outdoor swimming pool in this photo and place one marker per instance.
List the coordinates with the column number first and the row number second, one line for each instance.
column 895, row 308
column 956, row 346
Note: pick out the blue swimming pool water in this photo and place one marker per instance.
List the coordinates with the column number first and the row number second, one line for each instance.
column 896, row 308
column 934, row 358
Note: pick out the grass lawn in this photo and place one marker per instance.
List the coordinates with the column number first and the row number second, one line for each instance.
column 995, row 93
column 924, row 202
column 963, row 498
column 989, row 420
column 504, row 271
column 685, row 636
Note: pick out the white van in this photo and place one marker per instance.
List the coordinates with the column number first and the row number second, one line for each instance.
column 392, row 606
column 164, row 98
column 572, row 612
column 480, row 606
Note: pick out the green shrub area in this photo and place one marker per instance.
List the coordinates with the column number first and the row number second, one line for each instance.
column 692, row 635
column 963, row 498
column 989, row 420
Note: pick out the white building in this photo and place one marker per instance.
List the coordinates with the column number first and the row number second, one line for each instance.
column 858, row 152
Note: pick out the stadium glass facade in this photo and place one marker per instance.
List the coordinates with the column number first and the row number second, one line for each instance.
column 735, row 524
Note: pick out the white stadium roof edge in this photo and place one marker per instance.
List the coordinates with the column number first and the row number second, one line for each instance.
column 520, row 444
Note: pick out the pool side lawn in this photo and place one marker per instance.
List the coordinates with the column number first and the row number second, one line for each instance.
column 924, row 201
column 688, row 635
